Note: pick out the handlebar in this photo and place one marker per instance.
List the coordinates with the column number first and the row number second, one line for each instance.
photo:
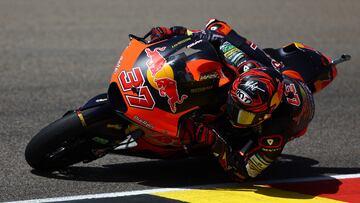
column 141, row 39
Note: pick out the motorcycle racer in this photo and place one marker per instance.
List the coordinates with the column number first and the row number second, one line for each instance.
column 266, row 100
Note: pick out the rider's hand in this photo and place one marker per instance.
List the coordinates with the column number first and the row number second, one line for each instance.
column 231, row 160
column 236, row 162
column 160, row 33
column 179, row 30
column 208, row 35
column 205, row 135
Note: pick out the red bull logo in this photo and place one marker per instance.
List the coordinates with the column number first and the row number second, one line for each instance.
column 156, row 60
column 161, row 77
column 168, row 88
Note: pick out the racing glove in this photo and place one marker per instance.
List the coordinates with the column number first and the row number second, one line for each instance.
column 160, row 33
column 205, row 135
column 208, row 35
column 242, row 43
column 232, row 161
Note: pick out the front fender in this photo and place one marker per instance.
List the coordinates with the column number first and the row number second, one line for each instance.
column 98, row 100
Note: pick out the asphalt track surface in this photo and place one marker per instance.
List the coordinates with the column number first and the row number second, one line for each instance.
column 54, row 55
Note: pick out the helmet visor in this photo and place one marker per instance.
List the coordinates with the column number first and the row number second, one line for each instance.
column 241, row 118
column 245, row 117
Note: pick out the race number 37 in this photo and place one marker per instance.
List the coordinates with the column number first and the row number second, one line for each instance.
column 137, row 95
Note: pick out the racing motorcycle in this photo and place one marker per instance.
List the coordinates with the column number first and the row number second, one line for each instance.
column 153, row 87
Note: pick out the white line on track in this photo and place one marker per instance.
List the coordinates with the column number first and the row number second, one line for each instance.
column 150, row 191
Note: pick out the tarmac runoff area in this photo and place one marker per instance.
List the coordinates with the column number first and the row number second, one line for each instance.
column 338, row 188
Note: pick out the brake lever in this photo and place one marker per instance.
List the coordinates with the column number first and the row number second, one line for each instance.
column 246, row 147
column 341, row 59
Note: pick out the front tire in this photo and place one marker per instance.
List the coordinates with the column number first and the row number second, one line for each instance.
column 68, row 141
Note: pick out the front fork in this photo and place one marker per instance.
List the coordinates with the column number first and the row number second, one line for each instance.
column 105, row 130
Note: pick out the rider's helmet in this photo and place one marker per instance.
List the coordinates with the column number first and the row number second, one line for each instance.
column 254, row 95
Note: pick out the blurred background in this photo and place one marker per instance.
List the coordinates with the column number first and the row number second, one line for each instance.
column 56, row 54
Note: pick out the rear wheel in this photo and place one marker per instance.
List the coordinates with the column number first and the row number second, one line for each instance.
column 74, row 138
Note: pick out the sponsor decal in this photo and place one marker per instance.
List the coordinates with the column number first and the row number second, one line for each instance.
column 168, row 88
column 270, row 150
column 243, row 97
column 252, row 85
column 276, row 64
column 256, row 164
column 101, row 100
column 181, row 42
column 156, row 60
column 119, row 62
column 209, row 75
column 201, row 89
column 144, row 122
column 232, row 53
column 117, row 66
column 253, row 46
column 216, row 36
column 246, row 68
column 248, row 65
column 161, row 77
column 193, row 44
column 270, row 141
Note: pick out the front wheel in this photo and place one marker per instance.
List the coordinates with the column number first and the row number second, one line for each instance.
column 70, row 139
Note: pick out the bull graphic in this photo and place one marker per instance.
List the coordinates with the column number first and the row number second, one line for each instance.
column 168, row 88
column 156, row 60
